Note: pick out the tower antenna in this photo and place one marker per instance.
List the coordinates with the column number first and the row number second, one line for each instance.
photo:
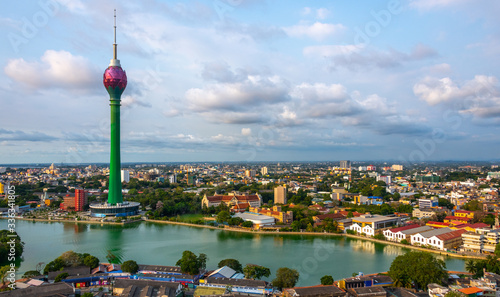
column 114, row 44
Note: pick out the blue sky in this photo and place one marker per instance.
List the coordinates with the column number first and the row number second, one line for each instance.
column 250, row 80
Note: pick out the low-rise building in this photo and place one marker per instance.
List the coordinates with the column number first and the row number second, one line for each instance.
column 373, row 224
column 258, row 220
column 231, row 199
column 247, row 286
column 400, row 233
column 285, row 217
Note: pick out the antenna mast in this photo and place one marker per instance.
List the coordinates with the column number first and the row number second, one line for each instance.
column 114, row 44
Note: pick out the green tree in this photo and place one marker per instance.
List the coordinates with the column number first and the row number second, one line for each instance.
column 61, row 276
column 247, row 224
column 91, row 261
column 87, row 294
column 191, row 264
column 455, row 294
column 405, row 208
column 55, row 265
column 231, row 263
column 256, row 271
column 223, row 216
column 327, row 280
column 497, row 249
column 31, row 273
column 130, row 266
column 421, row 268
column 5, row 237
column 286, row 278
column 470, row 266
column 4, row 271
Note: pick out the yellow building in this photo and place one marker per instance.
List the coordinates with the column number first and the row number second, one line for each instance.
column 464, row 214
column 1, row 189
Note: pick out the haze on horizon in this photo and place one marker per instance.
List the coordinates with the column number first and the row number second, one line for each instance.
column 251, row 80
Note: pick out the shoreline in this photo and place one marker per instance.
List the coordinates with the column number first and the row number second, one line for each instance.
column 443, row 253
column 229, row 229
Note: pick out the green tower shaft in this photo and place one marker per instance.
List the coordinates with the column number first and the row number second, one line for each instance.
column 115, row 183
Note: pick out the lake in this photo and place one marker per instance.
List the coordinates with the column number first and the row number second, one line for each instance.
column 163, row 244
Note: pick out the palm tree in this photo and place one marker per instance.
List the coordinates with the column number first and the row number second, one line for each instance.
column 470, row 266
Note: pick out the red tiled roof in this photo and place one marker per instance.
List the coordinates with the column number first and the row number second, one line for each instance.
column 463, row 211
column 451, row 235
column 394, row 230
column 241, row 206
column 355, row 213
column 438, row 223
column 454, row 218
column 228, row 198
column 479, row 225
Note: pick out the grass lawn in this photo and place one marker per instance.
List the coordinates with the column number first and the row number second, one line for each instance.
column 203, row 291
column 188, row 218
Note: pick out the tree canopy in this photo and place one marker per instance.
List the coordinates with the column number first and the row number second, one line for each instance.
column 256, row 271
column 192, row 264
column 71, row 259
column 130, row 266
column 5, row 237
column 286, row 278
column 327, row 280
column 231, row 263
column 419, row 268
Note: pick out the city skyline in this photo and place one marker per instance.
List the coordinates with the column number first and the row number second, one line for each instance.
column 252, row 81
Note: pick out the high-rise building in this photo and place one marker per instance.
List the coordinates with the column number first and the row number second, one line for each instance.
column 263, row 171
column 250, row 172
column 172, row 178
column 125, row 176
column 345, row 164
column 280, row 195
column 80, row 199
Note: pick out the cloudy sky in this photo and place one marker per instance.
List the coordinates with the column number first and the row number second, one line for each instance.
column 251, row 80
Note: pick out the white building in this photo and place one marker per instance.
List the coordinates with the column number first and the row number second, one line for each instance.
column 400, row 233
column 369, row 224
column 125, row 176
column 263, row 171
column 172, row 178
column 259, row 220
column 442, row 239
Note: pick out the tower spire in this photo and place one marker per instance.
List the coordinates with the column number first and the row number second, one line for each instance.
column 114, row 44
column 115, row 61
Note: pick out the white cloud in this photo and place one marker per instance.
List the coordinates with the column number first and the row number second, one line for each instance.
column 317, row 31
column 251, row 91
column 435, row 91
column 58, row 69
column 322, row 13
column 246, row 131
column 320, row 92
column 130, row 101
